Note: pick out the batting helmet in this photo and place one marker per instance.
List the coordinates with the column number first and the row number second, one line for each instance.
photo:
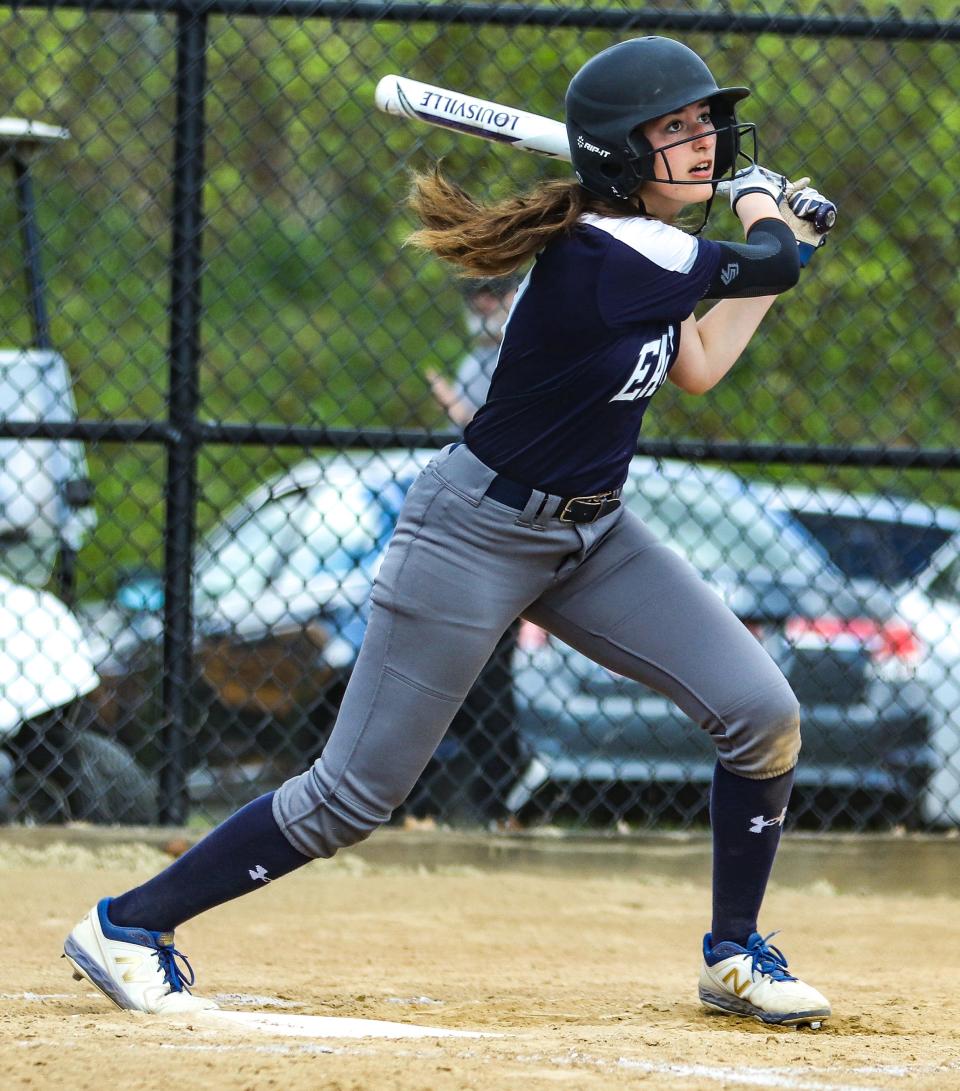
column 619, row 89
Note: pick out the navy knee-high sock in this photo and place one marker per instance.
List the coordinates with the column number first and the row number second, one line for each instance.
column 747, row 817
column 242, row 854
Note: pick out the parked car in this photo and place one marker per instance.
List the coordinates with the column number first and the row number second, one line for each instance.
column 280, row 594
column 280, row 599
column 904, row 553
column 625, row 747
column 53, row 767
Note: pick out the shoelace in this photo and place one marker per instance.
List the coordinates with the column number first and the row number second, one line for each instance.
column 173, row 975
column 769, row 960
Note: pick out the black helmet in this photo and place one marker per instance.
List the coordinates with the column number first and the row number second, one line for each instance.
column 619, row 89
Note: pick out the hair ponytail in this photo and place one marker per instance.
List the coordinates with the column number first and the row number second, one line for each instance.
column 500, row 238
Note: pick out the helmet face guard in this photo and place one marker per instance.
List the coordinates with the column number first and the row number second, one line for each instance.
column 728, row 150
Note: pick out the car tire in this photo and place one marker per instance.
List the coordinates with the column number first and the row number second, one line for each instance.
column 109, row 785
column 65, row 772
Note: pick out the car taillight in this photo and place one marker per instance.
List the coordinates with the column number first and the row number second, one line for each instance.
column 890, row 641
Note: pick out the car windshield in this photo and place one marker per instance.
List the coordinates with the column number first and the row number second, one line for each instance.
column 337, row 530
column 717, row 531
column 884, row 550
column 328, row 528
column 244, row 556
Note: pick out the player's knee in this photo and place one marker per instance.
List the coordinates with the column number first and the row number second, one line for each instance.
column 764, row 739
column 781, row 734
column 320, row 825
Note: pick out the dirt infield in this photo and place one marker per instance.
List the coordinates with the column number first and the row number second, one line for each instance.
column 576, row 961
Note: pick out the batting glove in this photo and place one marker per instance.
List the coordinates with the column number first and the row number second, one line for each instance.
column 756, row 179
column 809, row 215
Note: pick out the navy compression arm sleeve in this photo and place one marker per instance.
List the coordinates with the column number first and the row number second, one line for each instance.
column 768, row 263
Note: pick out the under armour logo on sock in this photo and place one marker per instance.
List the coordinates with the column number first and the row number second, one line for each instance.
column 260, row 873
column 759, row 823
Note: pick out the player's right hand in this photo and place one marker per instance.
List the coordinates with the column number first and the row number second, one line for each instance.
column 809, row 215
column 810, row 206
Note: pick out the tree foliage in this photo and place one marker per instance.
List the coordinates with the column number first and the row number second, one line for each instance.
column 316, row 313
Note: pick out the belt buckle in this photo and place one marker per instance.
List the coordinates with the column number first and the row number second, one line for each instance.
column 597, row 502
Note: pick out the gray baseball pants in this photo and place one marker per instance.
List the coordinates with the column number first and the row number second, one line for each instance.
column 460, row 568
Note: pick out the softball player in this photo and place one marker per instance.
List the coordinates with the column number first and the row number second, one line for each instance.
column 523, row 518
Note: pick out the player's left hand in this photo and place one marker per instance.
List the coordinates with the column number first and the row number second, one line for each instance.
column 809, row 215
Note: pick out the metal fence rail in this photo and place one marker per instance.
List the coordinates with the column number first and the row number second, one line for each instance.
column 228, row 297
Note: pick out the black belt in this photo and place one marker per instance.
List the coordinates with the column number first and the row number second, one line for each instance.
column 574, row 509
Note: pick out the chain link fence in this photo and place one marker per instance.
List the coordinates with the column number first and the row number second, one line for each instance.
column 220, row 369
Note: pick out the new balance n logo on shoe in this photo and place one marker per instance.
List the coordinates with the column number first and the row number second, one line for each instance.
column 758, row 823
column 732, row 978
column 129, row 975
column 259, row 874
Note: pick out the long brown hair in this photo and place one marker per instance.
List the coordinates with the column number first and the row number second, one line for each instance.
column 499, row 238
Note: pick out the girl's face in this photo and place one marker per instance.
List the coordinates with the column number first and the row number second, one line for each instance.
column 691, row 161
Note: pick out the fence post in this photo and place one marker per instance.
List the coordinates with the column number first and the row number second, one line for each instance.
column 26, row 210
column 182, row 445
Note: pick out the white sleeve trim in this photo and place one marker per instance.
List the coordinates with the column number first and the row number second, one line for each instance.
column 666, row 246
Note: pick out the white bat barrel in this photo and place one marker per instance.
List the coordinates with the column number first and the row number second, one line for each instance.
column 473, row 116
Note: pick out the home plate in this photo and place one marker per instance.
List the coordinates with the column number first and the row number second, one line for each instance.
column 329, row 1026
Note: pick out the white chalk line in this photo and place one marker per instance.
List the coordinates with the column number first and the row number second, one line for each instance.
column 327, row 1026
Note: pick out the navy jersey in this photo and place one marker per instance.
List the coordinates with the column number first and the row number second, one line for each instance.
column 591, row 336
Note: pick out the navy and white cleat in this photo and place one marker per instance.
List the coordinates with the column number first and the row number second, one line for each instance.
column 753, row 981
column 138, row 969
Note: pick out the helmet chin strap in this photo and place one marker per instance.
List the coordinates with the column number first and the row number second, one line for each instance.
column 706, row 213
column 751, row 159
